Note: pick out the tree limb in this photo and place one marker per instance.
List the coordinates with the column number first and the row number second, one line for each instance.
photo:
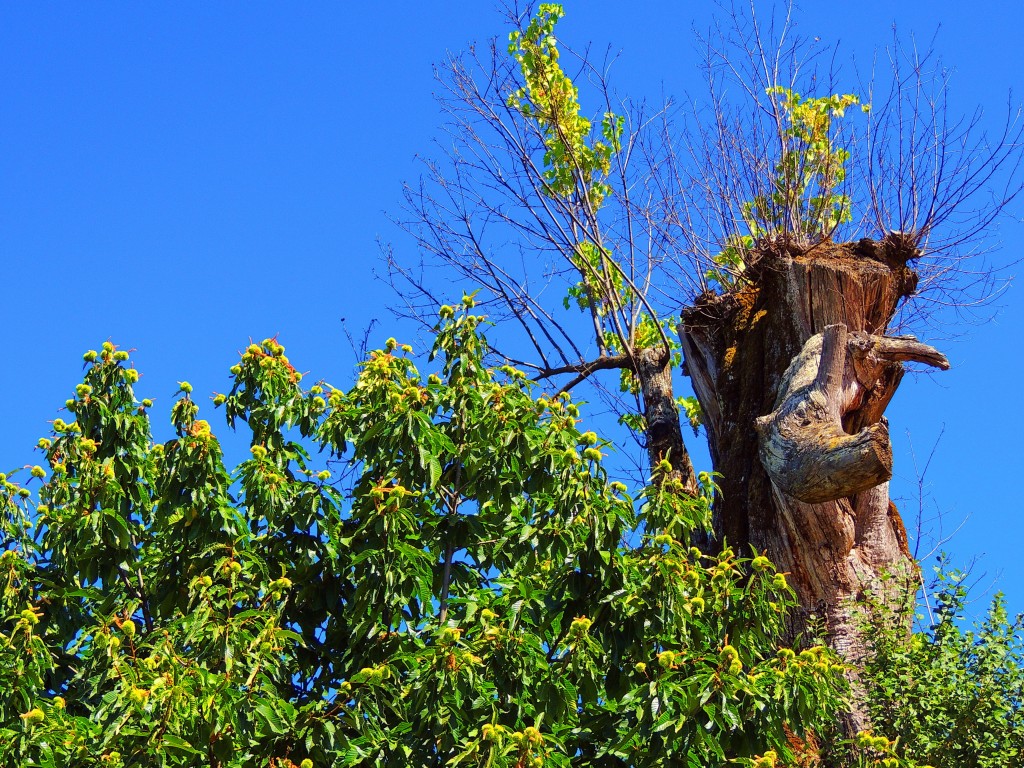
column 803, row 446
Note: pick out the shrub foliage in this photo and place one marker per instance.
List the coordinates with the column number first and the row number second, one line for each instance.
column 953, row 696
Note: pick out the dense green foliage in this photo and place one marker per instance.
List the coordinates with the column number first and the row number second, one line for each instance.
column 463, row 594
column 955, row 698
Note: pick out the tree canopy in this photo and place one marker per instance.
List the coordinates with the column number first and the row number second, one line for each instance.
column 417, row 570
column 472, row 589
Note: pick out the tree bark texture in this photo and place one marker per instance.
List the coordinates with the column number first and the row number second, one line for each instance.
column 793, row 372
column 664, row 431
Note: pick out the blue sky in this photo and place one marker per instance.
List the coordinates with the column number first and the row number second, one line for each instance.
column 180, row 178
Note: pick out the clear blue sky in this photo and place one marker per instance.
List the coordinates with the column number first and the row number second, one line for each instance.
column 181, row 177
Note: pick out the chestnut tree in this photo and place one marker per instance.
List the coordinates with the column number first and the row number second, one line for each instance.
column 420, row 569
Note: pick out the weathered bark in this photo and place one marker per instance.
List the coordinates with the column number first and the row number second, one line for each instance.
column 664, row 431
column 793, row 373
column 804, row 448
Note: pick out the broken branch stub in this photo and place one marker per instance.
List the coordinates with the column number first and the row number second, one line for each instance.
column 802, row 444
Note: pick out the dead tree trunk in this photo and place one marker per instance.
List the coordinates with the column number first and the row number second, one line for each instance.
column 793, row 373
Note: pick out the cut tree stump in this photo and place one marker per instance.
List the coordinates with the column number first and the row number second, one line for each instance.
column 793, row 371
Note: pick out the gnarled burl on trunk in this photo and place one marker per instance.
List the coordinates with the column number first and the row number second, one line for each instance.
column 793, row 372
